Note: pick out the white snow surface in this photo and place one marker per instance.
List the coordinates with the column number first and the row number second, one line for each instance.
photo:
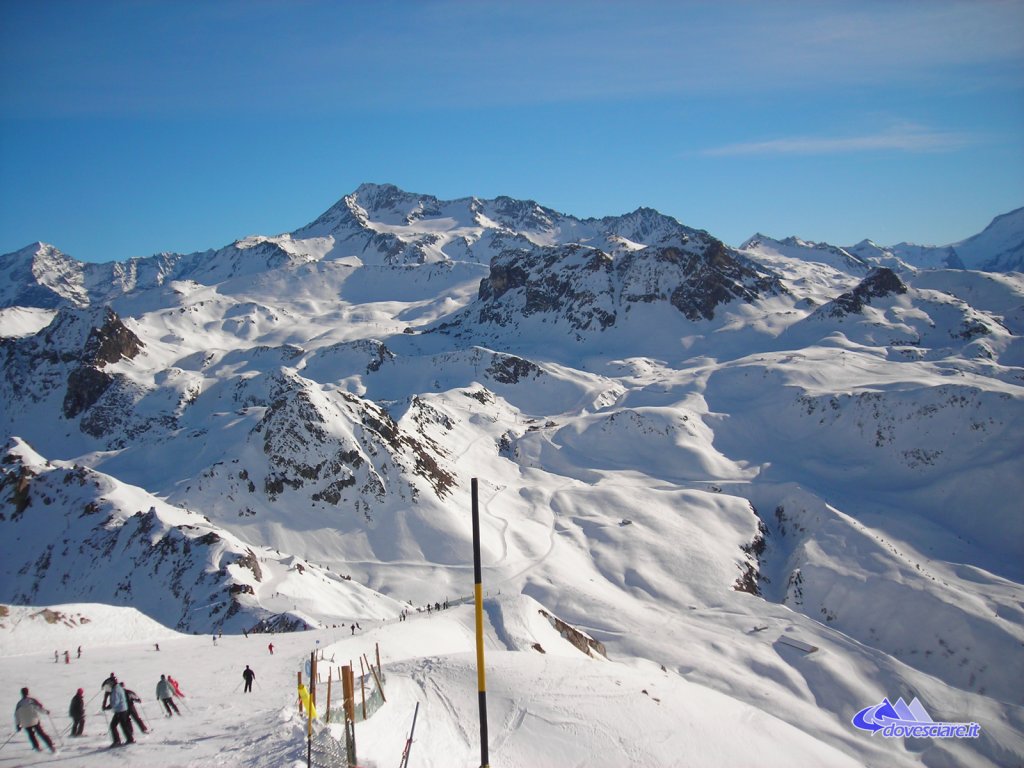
column 548, row 703
column 295, row 438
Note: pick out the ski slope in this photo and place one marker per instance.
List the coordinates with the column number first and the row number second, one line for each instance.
column 548, row 703
column 552, row 708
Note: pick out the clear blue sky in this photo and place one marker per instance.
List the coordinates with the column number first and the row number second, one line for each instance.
column 128, row 128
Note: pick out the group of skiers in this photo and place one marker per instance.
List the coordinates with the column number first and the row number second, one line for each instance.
column 119, row 700
column 67, row 656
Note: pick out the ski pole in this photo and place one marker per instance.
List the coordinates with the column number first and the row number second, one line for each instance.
column 55, row 732
column 8, row 740
column 142, row 709
column 409, row 741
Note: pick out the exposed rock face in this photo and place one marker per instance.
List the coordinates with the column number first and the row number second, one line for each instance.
column 70, row 353
column 716, row 276
column 881, row 282
column 108, row 343
column 589, row 288
column 584, row 642
column 306, row 447
column 71, row 535
column 86, row 385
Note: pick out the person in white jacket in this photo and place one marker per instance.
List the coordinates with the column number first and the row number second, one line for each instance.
column 26, row 715
column 165, row 695
column 119, row 703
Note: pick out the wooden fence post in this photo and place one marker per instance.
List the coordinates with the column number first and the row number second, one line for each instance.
column 362, row 686
column 377, row 680
column 328, row 715
column 350, row 729
column 312, row 677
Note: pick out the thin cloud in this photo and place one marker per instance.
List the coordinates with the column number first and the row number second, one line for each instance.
column 898, row 139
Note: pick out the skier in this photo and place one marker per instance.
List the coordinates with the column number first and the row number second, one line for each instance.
column 176, row 687
column 107, row 686
column 26, row 715
column 67, row 657
column 77, row 713
column 164, row 694
column 79, row 651
column 119, row 703
column 249, row 676
column 270, row 647
column 132, row 712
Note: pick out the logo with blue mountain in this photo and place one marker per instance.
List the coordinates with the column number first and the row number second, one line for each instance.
column 902, row 720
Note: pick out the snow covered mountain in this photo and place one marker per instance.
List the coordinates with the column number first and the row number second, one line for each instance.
column 690, row 451
column 998, row 248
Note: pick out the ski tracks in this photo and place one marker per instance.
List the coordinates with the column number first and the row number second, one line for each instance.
column 423, row 676
column 511, row 724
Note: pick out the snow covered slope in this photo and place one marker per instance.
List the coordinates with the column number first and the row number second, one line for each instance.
column 691, row 452
column 997, row 248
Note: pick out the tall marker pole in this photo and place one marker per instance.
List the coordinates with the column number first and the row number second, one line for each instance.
column 479, row 597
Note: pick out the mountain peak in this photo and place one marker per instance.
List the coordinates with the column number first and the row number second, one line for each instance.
column 997, row 248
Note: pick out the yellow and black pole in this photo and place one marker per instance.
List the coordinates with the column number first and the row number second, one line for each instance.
column 479, row 597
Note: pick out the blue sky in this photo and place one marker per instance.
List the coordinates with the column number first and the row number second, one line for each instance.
column 128, row 128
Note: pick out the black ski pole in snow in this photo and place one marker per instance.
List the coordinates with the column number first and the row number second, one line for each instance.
column 408, row 742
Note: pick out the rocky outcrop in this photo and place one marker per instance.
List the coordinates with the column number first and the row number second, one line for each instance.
column 584, row 642
column 881, row 282
column 590, row 289
column 107, row 343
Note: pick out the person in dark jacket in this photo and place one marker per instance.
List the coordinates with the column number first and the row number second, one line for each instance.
column 107, row 686
column 77, row 713
column 132, row 712
column 248, row 676
column 26, row 715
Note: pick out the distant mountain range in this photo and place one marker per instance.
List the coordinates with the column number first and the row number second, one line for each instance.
column 676, row 440
column 383, row 225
